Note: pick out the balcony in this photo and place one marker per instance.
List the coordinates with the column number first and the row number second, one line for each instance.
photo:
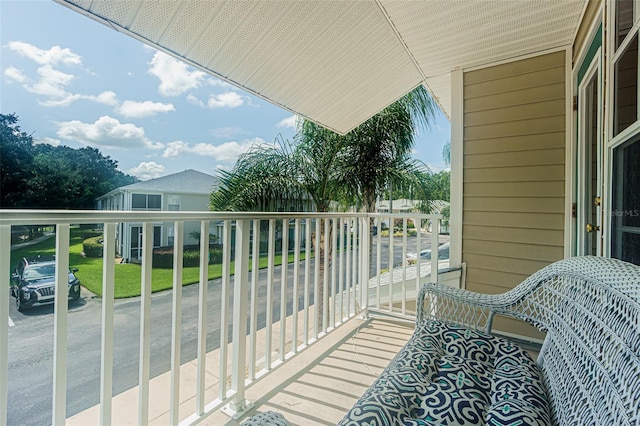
column 305, row 338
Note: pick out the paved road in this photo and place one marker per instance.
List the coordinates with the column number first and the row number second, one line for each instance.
column 31, row 344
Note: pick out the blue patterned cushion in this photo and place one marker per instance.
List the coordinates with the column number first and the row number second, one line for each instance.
column 449, row 375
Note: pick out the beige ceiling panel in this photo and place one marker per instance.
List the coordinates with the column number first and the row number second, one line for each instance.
column 340, row 62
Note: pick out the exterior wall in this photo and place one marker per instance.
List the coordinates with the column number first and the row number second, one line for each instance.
column 514, row 171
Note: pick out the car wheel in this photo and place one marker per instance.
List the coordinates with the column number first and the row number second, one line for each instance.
column 75, row 297
column 19, row 305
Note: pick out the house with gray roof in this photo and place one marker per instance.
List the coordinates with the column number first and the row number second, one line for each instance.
column 184, row 191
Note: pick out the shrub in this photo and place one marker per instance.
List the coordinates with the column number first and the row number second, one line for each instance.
column 93, row 247
column 163, row 257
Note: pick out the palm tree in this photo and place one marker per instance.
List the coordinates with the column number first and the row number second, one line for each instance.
column 379, row 150
column 323, row 167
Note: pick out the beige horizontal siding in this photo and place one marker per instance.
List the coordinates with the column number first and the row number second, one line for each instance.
column 514, row 172
column 514, row 204
column 515, row 143
column 515, row 97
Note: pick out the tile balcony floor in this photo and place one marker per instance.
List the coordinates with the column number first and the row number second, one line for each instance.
column 316, row 387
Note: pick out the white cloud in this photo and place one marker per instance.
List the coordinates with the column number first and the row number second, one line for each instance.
column 289, row 122
column 53, row 56
column 133, row 109
column 147, row 170
column 52, row 83
column 228, row 151
column 15, row 74
column 107, row 97
column 46, row 140
column 227, row 132
column 225, row 100
column 106, row 132
column 194, row 100
column 175, row 76
column 175, row 149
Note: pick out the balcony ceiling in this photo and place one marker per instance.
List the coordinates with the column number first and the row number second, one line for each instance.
column 338, row 63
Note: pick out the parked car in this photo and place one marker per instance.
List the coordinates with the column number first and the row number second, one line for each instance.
column 33, row 282
column 443, row 253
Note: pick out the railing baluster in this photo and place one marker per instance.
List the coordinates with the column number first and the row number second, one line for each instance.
column 5, row 277
column 283, row 287
column 341, row 270
column 325, row 276
column 390, row 286
column 418, row 251
column 296, row 284
column 334, row 263
column 60, row 325
column 378, row 261
column 269, row 309
column 108, row 284
column 347, row 256
column 255, row 273
column 316, row 279
column 404, row 266
column 176, row 320
column 145, row 324
column 307, row 277
column 435, row 230
column 355, row 274
column 365, row 250
column 238, row 404
column 224, row 317
column 203, row 294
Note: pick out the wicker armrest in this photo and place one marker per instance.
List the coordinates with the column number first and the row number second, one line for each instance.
column 460, row 307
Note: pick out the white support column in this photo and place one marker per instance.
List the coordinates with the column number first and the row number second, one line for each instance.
column 203, row 294
column 61, row 307
column 176, row 320
column 239, row 405
column 145, row 325
column 456, row 196
column 5, row 277
column 404, row 265
column 325, row 276
column 106, row 362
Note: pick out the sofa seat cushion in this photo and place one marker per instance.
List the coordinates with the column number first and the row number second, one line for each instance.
column 448, row 375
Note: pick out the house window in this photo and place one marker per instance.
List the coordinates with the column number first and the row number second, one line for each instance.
column 626, row 88
column 625, row 215
column 146, row 202
column 624, row 20
column 173, row 203
column 136, row 240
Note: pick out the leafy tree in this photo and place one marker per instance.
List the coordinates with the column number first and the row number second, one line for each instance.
column 48, row 177
column 16, row 158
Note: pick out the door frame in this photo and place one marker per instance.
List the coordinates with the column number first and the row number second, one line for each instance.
column 594, row 70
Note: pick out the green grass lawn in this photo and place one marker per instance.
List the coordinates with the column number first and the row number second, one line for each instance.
column 127, row 276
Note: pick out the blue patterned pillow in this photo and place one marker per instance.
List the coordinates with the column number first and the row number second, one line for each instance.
column 449, row 375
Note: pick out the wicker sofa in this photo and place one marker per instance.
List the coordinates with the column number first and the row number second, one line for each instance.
column 454, row 371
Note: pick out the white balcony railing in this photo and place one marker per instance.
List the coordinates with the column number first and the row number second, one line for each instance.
column 334, row 257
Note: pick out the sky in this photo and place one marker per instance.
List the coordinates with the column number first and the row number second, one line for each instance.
column 73, row 81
